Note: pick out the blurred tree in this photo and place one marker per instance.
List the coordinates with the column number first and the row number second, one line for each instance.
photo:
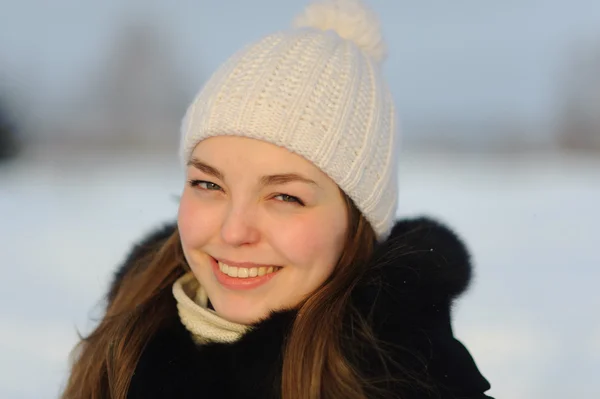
column 8, row 134
column 140, row 91
column 136, row 99
column 580, row 119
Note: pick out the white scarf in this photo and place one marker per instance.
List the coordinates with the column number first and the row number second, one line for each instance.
column 203, row 323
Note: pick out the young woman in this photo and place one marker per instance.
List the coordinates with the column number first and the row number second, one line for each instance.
column 286, row 275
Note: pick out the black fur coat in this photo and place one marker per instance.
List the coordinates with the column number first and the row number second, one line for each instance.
column 415, row 275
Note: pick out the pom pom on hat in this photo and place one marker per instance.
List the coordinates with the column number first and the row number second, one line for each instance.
column 351, row 19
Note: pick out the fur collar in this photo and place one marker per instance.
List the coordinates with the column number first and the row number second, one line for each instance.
column 414, row 276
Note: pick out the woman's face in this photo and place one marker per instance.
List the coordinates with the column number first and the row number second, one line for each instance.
column 261, row 227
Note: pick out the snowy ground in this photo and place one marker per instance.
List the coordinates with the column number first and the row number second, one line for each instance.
column 531, row 320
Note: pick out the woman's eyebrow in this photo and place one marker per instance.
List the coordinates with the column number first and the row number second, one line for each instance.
column 268, row 180
column 209, row 170
column 285, row 178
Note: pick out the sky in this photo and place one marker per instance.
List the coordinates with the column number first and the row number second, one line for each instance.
column 466, row 62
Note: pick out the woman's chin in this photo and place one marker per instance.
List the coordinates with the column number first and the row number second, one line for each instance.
column 246, row 315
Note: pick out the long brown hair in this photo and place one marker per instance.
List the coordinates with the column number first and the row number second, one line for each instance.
column 316, row 362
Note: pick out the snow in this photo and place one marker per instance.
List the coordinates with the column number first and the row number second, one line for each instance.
column 531, row 318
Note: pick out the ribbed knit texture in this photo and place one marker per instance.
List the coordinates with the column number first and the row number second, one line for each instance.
column 203, row 323
column 317, row 90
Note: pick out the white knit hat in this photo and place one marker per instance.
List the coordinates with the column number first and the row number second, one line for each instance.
column 316, row 90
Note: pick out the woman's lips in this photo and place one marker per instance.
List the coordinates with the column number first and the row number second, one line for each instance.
column 242, row 276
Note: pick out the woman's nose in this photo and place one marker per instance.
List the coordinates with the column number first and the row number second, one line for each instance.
column 239, row 227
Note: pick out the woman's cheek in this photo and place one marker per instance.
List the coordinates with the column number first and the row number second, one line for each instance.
column 184, row 214
column 302, row 240
column 321, row 241
column 194, row 219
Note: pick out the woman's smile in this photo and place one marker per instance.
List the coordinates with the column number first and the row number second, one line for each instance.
column 244, row 275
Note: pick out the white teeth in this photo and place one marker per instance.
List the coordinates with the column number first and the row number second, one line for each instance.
column 242, row 272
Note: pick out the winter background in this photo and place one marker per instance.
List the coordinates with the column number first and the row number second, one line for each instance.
column 500, row 109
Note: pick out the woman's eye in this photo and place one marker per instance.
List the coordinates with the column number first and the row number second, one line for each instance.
column 205, row 185
column 289, row 198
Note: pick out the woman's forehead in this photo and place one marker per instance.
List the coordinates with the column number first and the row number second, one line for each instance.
column 231, row 152
column 258, row 160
